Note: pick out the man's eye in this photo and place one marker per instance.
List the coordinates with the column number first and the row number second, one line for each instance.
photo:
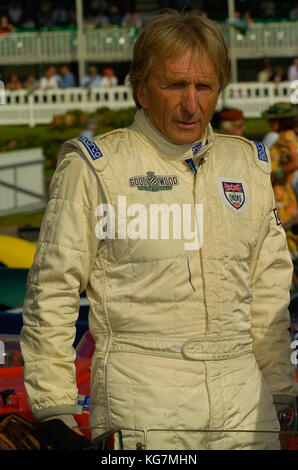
column 177, row 85
column 202, row 86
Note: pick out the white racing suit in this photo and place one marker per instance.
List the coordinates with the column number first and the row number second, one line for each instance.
column 191, row 327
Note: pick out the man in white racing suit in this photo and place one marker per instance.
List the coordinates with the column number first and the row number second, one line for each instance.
column 174, row 234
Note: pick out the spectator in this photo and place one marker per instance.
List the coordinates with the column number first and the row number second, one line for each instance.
column 89, row 20
column 98, row 5
column 101, row 19
column 231, row 121
column 132, row 18
column 15, row 13
column 294, row 13
column 28, row 22
column 60, row 14
column 278, row 75
column 91, row 128
column 31, row 83
column 248, row 17
column 92, row 80
column 67, row 78
column 109, row 79
column 114, row 16
column 271, row 137
column 284, row 159
column 50, row 79
column 293, row 70
column 5, row 25
column 46, row 19
column 265, row 74
column 267, row 8
column 46, row 6
column 71, row 17
column 14, row 83
column 238, row 22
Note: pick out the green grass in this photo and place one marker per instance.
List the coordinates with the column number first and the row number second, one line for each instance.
column 30, row 219
column 256, row 128
column 39, row 133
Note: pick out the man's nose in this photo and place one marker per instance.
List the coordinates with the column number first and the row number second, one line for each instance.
column 190, row 100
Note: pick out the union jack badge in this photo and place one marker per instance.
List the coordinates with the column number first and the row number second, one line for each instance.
column 234, row 193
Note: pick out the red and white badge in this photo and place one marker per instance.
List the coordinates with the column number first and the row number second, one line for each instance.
column 234, row 193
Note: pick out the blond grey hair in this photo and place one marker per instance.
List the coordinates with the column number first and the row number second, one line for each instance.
column 171, row 34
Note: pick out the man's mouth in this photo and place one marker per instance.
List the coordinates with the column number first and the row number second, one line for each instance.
column 187, row 124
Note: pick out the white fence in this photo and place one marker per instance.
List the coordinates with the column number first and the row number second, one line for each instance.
column 278, row 39
column 40, row 107
column 264, row 40
column 106, row 44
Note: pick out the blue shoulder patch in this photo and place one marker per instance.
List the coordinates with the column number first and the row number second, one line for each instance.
column 262, row 155
column 91, row 147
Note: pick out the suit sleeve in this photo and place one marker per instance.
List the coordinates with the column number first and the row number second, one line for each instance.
column 271, row 282
column 61, row 269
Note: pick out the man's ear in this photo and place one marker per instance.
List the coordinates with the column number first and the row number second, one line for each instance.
column 142, row 95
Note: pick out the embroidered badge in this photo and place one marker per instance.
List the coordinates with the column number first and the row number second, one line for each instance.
column 234, row 193
column 152, row 182
column 262, row 155
column 91, row 147
column 278, row 221
column 196, row 148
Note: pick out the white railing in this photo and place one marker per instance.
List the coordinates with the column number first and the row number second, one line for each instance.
column 41, row 106
column 116, row 44
column 264, row 40
column 107, row 44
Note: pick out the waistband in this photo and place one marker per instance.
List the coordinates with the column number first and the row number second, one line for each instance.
column 201, row 348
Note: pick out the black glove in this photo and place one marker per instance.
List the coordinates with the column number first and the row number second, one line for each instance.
column 62, row 436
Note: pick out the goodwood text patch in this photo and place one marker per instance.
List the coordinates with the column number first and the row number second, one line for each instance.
column 152, row 182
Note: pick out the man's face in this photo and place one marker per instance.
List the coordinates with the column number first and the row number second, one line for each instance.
column 180, row 96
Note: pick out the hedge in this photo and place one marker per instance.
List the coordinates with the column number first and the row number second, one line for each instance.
column 71, row 124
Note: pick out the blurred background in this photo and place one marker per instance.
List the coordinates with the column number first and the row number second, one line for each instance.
column 64, row 73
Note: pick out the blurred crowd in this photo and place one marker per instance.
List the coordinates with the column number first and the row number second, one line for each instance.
column 278, row 74
column 34, row 14
column 63, row 77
